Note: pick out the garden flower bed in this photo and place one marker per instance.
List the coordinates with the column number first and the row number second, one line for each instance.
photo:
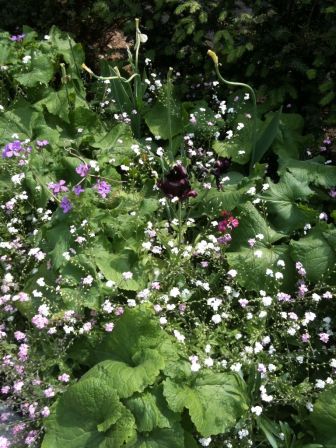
column 168, row 266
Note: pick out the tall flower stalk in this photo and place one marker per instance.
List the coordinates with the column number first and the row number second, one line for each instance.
column 214, row 57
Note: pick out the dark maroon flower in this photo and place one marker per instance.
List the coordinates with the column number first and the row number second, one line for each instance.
column 221, row 166
column 176, row 184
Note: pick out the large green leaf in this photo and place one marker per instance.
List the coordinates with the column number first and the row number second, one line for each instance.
column 41, row 71
column 162, row 438
column 266, row 137
column 20, row 119
column 115, row 144
column 316, row 251
column 212, row 202
column 162, row 123
column 73, row 54
column 113, row 265
column 286, row 203
column 215, row 401
column 89, row 415
column 151, row 411
column 312, row 170
column 239, row 147
column 323, row 417
column 61, row 102
column 132, row 356
column 290, row 142
column 251, row 223
column 129, row 373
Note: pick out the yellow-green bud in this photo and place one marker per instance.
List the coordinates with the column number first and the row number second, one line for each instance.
column 213, row 56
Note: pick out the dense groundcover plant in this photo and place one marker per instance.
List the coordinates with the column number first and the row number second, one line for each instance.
column 168, row 267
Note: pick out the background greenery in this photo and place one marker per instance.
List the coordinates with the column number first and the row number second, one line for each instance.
column 284, row 48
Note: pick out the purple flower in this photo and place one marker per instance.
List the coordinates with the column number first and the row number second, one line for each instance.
column 103, row 188
column 176, row 184
column 17, row 37
column 225, row 239
column 58, row 187
column 42, row 143
column 77, row 189
column 83, row 169
column 12, row 149
column 65, row 205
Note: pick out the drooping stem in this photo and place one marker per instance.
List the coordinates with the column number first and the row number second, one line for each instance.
column 214, row 57
column 87, row 69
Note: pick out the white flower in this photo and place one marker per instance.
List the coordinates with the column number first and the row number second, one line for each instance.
column 320, row 384
column 205, row 441
column 209, row 362
column 236, row 367
column 267, row 301
column 44, row 310
column 179, row 336
column 257, row 410
column 87, row 280
column 163, row 320
column 240, row 126
column 258, row 253
column 333, row 363
column 278, row 276
column 174, row 292
column 18, row 178
column 310, row 406
column 143, row 38
column 216, row 319
column 251, row 191
column 26, row 59
column 243, row 433
column 127, row 275
column 232, row 273
column 40, row 281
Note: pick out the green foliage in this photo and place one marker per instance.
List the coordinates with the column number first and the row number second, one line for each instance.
column 112, row 405
column 206, row 395
column 324, row 416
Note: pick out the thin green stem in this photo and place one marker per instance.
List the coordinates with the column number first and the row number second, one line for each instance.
column 254, row 100
column 180, row 223
column 169, row 111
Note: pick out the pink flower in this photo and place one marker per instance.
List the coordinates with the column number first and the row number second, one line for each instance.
column 39, row 321
column 4, row 442
column 23, row 352
column 324, row 337
column 49, row 393
column 64, row 378
column 305, row 337
column 45, row 412
column 18, row 385
column 19, row 335
column 109, row 327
